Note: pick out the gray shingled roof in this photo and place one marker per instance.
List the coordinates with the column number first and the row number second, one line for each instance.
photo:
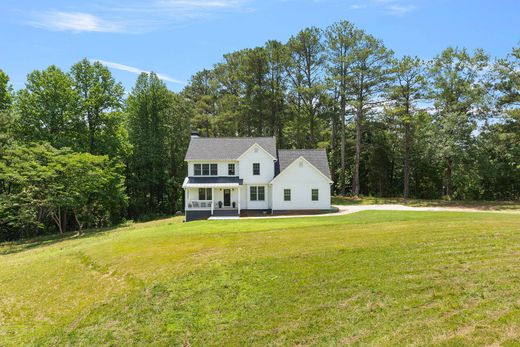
column 226, row 148
column 317, row 157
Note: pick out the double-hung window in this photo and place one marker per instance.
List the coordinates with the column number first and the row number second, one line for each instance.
column 315, row 195
column 214, row 169
column 205, row 169
column 231, row 169
column 286, row 195
column 256, row 169
column 198, row 169
column 257, row 193
column 205, row 194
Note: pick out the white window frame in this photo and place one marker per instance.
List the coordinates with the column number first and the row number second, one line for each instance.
column 256, row 174
column 256, row 194
column 285, row 196
column 317, row 194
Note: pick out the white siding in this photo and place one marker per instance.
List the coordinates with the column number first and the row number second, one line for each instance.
column 256, row 155
column 258, row 205
column 222, row 167
column 300, row 178
column 243, row 198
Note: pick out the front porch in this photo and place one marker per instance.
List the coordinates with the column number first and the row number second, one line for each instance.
column 217, row 198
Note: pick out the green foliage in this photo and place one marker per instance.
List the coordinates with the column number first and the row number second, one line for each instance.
column 48, row 109
column 40, row 184
column 100, row 101
column 158, row 123
column 421, row 129
column 458, row 92
column 6, row 92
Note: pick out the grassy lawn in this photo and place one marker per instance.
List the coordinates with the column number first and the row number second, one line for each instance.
column 374, row 277
column 478, row 204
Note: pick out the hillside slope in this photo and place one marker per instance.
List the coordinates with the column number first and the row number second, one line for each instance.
column 377, row 277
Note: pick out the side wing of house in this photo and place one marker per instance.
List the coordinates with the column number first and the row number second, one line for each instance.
column 300, row 186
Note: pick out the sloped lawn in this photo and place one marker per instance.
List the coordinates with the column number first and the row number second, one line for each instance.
column 375, row 277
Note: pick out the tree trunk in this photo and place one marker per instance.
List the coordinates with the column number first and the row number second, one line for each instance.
column 343, row 144
column 355, row 178
column 406, row 183
column 80, row 225
column 449, row 172
column 90, row 122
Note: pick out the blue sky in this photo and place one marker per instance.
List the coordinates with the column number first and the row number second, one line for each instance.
column 176, row 38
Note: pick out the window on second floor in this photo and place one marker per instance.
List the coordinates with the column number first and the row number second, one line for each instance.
column 257, row 193
column 205, row 169
column 231, row 169
column 256, row 169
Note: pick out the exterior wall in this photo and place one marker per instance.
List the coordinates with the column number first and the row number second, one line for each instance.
column 222, row 167
column 301, row 180
column 243, row 198
column 256, row 155
column 257, row 205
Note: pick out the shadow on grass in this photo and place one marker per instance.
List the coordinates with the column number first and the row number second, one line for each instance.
column 17, row 246
column 11, row 247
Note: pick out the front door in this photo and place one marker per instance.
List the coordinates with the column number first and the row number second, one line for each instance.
column 227, row 197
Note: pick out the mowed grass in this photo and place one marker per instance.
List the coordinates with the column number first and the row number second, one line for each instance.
column 374, row 277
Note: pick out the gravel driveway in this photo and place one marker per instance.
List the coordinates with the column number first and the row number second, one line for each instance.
column 348, row 209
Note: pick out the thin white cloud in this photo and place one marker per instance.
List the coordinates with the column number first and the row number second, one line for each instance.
column 136, row 70
column 399, row 10
column 130, row 16
column 390, row 7
column 75, row 21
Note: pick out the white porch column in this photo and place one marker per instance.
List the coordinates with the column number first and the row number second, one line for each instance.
column 185, row 199
column 212, row 199
column 238, row 190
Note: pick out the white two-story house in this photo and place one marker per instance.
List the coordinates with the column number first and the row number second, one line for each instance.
column 234, row 176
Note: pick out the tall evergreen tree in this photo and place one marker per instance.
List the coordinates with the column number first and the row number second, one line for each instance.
column 159, row 134
column 306, row 64
column 366, row 84
column 458, row 92
column 341, row 38
column 408, row 88
column 277, row 62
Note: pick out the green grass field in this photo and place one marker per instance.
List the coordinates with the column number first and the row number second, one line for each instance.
column 374, row 277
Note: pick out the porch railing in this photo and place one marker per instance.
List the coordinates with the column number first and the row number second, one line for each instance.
column 200, row 204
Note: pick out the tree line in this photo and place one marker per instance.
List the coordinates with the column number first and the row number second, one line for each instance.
column 76, row 152
column 392, row 126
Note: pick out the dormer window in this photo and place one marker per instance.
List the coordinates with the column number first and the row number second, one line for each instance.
column 256, row 169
